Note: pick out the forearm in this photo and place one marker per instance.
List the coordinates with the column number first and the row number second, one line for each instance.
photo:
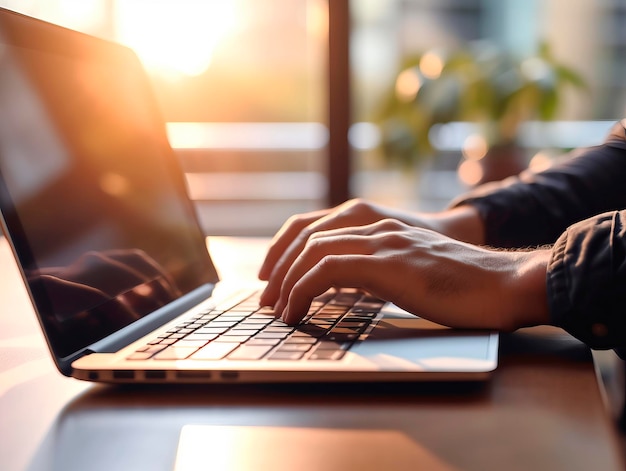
column 463, row 223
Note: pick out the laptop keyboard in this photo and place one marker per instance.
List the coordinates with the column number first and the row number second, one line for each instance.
column 246, row 331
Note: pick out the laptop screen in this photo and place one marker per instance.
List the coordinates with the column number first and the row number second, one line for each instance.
column 92, row 196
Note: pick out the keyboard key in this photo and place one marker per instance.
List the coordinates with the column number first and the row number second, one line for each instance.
column 175, row 353
column 214, row 351
column 177, row 336
column 140, row 356
column 232, row 338
column 327, row 317
column 301, row 340
column 279, row 323
column 265, row 311
column 328, row 345
column 247, row 332
column 183, row 331
column 187, row 342
column 250, row 352
column 220, row 323
column 279, row 329
column 254, row 321
column 327, row 355
column 271, row 335
column 343, row 330
column 143, row 353
column 258, row 341
column 310, row 330
column 285, row 356
column 294, row 347
column 367, row 307
column 360, row 316
column 321, row 323
column 195, row 325
column 341, row 337
column 211, row 330
column 332, row 310
column 232, row 316
column 352, row 324
column 201, row 336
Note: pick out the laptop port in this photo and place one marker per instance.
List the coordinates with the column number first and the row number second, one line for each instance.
column 230, row 375
column 156, row 374
column 190, row 374
column 123, row 374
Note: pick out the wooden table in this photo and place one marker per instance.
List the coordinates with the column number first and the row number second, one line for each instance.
column 542, row 410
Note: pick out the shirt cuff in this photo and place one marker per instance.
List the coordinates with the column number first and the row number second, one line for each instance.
column 582, row 283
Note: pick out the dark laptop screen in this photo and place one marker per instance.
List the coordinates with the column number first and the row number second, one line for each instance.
column 91, row 193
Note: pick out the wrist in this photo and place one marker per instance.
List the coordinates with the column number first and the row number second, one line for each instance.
column 461, row 223
column 529, row 298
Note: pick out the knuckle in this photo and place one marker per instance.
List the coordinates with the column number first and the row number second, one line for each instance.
column 396, row 240
column 305, row 234
column 328, row 263
column 389, row 224
column 359, row 206
column 295, row 220
column 314, row 243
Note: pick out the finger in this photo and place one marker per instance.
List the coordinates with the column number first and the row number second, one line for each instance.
column 290, row 240
column 346, row 271
column 320, row 246
column 272, row 291
column 285, row 258
column 284, row 237
column 343, row 218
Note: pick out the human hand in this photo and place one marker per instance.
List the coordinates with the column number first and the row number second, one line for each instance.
column 462, row 223
column 426, row 273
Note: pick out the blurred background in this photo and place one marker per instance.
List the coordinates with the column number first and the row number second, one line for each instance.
column 438, row 88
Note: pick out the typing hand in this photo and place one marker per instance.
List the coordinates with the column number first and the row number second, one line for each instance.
column 290, row 241
column 426, row 273
column 462, row 223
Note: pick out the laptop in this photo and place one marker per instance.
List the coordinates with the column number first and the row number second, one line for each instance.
column 95, row 207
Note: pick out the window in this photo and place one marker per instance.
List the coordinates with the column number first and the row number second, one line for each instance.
column 243, row 85
column 585, row 35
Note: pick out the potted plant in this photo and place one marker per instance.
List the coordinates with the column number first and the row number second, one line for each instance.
column 480, row 84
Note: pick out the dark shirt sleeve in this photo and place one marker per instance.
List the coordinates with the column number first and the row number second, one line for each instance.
column 578, row 206
column 586, row 281
column 535, row 208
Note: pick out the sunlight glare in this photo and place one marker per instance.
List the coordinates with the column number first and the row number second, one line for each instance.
column 84, row 14
column 175, row 37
